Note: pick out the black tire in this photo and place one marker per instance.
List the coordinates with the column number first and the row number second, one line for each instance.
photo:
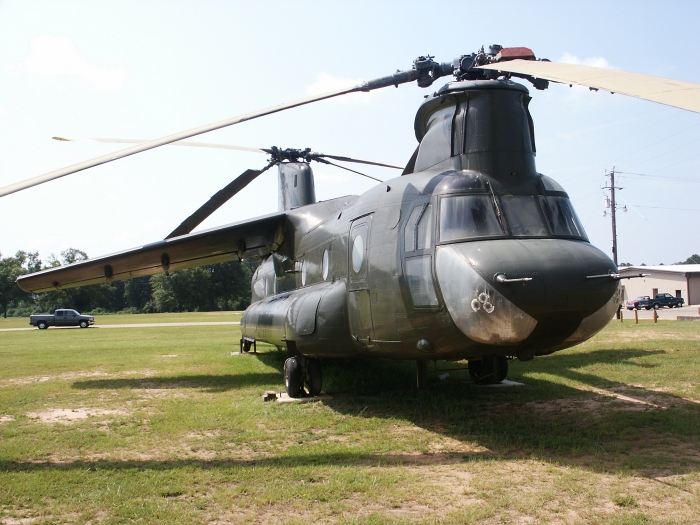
column 647, row 307
column 83, row 324
column 292, row 377
column 245, row 346
column 671, row 305
column 657, row 306
column 42, row 325
column 638, row 307
column 679, row 304
column 630, row 307
column 489, row 370
column 315, row 379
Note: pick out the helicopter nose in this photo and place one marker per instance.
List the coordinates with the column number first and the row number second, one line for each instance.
column 509, row 291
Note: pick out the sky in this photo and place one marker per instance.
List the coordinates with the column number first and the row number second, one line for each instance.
column 133, row 69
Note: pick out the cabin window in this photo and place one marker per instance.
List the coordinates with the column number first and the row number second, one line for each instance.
column 467, row 216
column 304, row 271
column 358, row 252
column 325, row 264
column 524, row 216
column 562, row 217
column 420, row 281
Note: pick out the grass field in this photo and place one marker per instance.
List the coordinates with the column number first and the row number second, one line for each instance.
column 165, row 425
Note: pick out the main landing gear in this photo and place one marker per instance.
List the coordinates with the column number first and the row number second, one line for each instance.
column 302, row 372
column 488, row 371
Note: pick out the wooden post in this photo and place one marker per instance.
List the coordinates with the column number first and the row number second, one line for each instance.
column 656, row 315
column 636, row 316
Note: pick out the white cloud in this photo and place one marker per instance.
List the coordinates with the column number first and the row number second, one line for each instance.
column 568, row 58
column 326, row 82
column 54, row 56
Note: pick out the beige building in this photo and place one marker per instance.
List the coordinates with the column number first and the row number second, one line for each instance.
column 680, row 280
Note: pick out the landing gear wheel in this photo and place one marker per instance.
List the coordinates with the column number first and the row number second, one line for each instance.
column 83, row 324
column 42, row 325
column 488, row 371
column 292, row 377
column 314, row 380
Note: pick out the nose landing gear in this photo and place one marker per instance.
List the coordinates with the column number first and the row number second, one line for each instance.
column 302, row 372
column 488, row 371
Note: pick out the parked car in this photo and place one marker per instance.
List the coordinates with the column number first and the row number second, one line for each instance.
column 637, row 302
column 61, row 318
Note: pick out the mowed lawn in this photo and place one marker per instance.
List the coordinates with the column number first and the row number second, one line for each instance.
column 167, row 425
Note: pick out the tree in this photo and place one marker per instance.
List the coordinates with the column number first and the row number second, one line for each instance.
column 11, row 268
column 693, row 259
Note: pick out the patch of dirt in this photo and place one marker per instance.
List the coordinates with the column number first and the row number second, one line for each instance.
column 6, row 419
column 67, row 416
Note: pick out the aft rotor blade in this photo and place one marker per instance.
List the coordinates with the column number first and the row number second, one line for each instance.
column 12, row 188
column 348, row 159
column 676, row 93
column 179, row 143
column 216, row 201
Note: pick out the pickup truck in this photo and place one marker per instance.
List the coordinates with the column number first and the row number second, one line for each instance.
column 61, row 318
column 659, row 300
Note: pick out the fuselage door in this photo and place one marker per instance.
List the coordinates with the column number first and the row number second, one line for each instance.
column 359, row 305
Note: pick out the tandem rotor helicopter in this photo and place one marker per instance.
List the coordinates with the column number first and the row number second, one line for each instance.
column 469, row 254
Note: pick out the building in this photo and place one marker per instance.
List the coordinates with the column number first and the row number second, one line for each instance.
column 681, row 280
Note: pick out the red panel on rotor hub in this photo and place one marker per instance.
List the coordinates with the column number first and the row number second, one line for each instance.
column 512, row 53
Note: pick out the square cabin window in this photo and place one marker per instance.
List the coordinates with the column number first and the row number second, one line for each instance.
column 420, row 281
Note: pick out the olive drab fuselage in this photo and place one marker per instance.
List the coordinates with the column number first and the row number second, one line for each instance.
column 470, row 253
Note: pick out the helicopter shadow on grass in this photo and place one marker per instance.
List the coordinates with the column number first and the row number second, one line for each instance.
column 208, row 383
column 598, row 425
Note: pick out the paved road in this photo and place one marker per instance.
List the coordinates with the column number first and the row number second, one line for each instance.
column 135, row 325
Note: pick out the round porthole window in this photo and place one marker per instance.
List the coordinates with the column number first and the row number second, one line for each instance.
column 358, row 253
column 324, row 265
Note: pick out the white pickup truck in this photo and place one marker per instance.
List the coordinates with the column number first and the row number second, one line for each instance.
column 61, row 318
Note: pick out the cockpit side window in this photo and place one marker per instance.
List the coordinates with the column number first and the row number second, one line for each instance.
column 468, row 216
column 424, row 230
column 524, row 216
column 562, row 217
column 410, row 231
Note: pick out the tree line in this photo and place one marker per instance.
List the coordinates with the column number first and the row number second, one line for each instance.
column 223, row 286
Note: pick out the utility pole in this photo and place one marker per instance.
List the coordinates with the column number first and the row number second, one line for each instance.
column 613, row 209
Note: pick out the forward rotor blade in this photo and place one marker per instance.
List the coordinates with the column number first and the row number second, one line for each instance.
column 12, row 188
column 216, row 201
column 179, row 143
column 324, row 161
column 348, row 159
column 676, row 93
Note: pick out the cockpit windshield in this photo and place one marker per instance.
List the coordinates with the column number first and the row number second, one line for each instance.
column 467, row 216
column 524, row 216
column 475, row 216
column 562, row 217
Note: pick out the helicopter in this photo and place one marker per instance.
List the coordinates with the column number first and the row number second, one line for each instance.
column 470, row 254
